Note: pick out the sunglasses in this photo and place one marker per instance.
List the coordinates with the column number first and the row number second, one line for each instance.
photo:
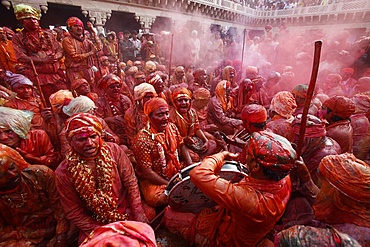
column 113, row 86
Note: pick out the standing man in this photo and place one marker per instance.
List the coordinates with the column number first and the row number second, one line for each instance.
column 126, row 47
column 137, row 45
column 41, row 47
column 96, row 182
column 8, row 58
column 79, row 51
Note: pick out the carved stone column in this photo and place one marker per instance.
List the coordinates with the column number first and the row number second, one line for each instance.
column 145, row 21
column 98, row 18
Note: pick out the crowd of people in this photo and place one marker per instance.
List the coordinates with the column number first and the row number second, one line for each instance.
column 93, row 129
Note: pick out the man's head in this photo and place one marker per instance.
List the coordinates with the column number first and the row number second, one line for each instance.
column 200, row 75
column 14, row 126
column 300, row 94
column 150, row 67
column 157, row 82
column 181, row 98
column 254, row 118
column 10, row 176
column 21, row 85
column 270, row 155
column 60, row 99
column 104, row 61
column 157, row 111
column 179, row 72
column 75, row 26
column 84, row 134
column 112, row 85
column 338, row 108
column 283, row 103
column 28, row 16
column 139, row 78
column 81, row 86
column 144, row 92
column 228, row 73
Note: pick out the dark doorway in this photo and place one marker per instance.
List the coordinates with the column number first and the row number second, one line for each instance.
column 121, row 21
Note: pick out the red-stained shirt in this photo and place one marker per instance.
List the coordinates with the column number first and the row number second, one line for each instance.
column 125, row 188
column 252, row 206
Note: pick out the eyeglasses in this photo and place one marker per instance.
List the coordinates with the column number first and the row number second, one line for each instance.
column 113, row 86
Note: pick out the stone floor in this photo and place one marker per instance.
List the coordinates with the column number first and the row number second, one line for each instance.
column 168, row 239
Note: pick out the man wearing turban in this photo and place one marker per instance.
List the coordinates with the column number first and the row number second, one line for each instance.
column 361, row 127
column 26, row 98
column 282, row 108
column 40, row 46
column 343, row 200
column 79, row 51
column 96, row 182
column 30, row 210
column 247, row 210
column 112, row 105
column 158, row 148
column 199, row 80
column 337, row 111
column 186, row 120
column 300, row 94
column 135, row 119
column 219, row 109
column 33, row 144
column 8, row 59
column 82, row 87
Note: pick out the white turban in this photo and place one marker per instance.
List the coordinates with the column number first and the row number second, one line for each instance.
column 79, row 104
column 18, row 121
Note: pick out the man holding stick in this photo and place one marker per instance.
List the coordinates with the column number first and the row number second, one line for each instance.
column 40, row 46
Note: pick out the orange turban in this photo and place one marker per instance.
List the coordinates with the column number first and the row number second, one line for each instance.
column 12, row 154
column 271, row 151
column 340, row 106
column 60, row 99
column 181, row 92
column 220, row 92
column 202, row 93
column 108, row 80
column 83, row 123
column 254, row 113
column 78, row 82
column 283, row 103
column 72, row 21
column 23, row 11
column 345, row 191
column 153, row 104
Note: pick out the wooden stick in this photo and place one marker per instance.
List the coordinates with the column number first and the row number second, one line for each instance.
column 311, row 87
column 244, row 34
column 170, row 60
column 42, row 97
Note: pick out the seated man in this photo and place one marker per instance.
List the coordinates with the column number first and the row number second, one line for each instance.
column 96, row 182
column 186, row 120
column 30, row 210
column 33, row 145
column 156, row 148
column 26, row 98
column 247, row 210
column 337, row 111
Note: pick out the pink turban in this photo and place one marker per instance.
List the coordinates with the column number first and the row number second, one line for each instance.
column 254, row 113
column 73, row 21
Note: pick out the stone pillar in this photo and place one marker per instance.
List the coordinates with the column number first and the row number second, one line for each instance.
column 145, row 22
column 98, row 18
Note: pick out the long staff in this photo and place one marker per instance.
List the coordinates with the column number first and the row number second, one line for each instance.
column 42, row 97
column 170, row 60
column 310, row 90
column 244, row 34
